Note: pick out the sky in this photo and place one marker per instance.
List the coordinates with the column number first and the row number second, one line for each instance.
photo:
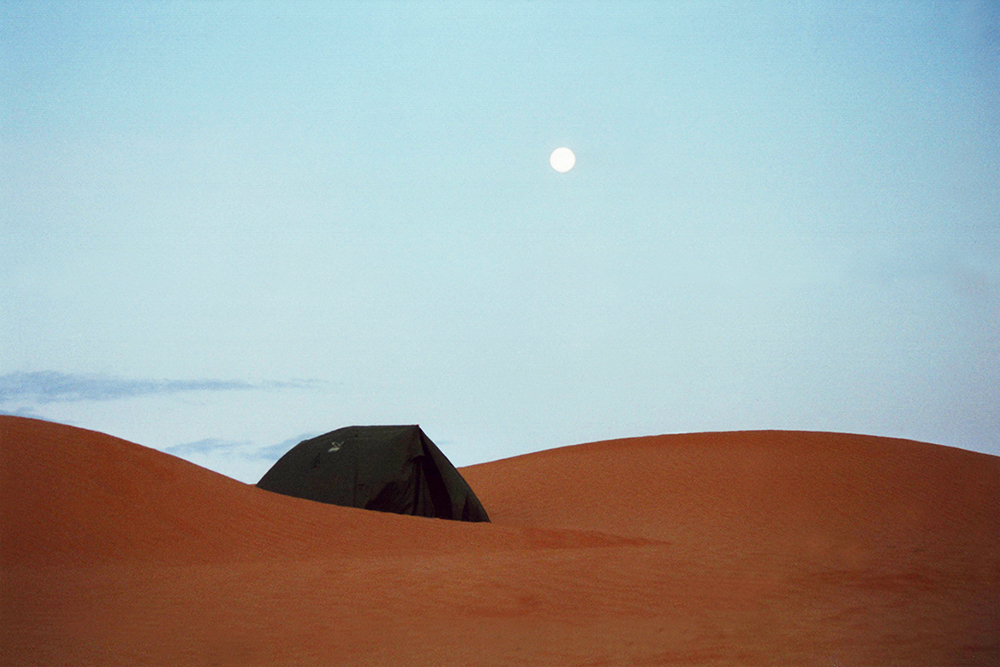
column 226, row 227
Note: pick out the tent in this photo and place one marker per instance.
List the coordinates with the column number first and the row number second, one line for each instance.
column 385, row 468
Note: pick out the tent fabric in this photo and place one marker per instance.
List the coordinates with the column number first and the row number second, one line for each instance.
column 384, row 468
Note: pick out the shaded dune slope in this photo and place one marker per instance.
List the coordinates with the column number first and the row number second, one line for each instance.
column 706, row 549
column 764, row 492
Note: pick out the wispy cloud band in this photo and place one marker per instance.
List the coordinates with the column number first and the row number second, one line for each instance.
column 244, row 449
column 53, row 386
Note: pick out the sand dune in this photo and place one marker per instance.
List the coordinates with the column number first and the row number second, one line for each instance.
column 707, row 549
column 76, row 497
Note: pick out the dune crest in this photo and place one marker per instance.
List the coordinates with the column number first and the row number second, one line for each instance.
column 714, row 549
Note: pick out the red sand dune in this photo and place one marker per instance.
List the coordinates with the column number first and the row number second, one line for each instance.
column 709, row 549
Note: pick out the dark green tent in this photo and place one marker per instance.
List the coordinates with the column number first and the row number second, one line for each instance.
column 385, row 468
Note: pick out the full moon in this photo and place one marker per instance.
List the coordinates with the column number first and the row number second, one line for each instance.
column 562, row 160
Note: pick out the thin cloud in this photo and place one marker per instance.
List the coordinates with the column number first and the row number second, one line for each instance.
column 53, row 387
column 239, row 459
column 275, row 452
column 240, row 448
column 235, row 452
column 206, row 446
column 23, row 411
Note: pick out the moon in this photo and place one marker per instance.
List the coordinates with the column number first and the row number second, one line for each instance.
column 562, row 159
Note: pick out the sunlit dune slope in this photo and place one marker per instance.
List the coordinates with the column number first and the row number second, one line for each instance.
column 709, row 549
column 72, row 496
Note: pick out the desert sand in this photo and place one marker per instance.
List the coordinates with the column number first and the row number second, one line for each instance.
column 743, row 548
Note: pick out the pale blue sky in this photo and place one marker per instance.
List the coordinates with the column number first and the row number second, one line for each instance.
column 229, row 225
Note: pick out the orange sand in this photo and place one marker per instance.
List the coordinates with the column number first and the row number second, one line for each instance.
column 710, row 549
